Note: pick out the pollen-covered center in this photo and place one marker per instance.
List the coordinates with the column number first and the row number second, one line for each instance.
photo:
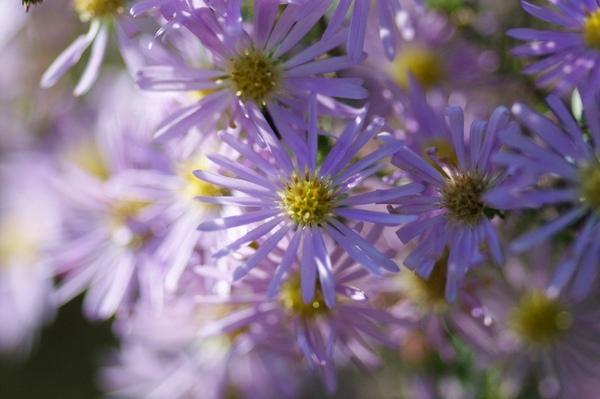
column 431, row 292
column 423, row 64
column 462, row 198
column 590, row 187
column 539, row 319
column 254, row 76
column 88, row 9
column 591, row 29
column 291, row 299
column 308, row 199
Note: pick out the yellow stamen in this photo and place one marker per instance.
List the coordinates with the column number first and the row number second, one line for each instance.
column 89, row 9
column 462, row 198
column 539, row 319
column 591, row 29
column 254, row 76
column 425, row 66
column 308, row 199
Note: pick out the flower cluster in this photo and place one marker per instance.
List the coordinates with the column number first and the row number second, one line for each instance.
column 255, row 193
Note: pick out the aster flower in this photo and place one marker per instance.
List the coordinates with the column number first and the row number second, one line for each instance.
column 111, row 227
column 25, row 237
column 570, row 55
column 251, row 65
column 325, row 336
column 559, row 166
column 291, row 195
column 541, row 332
column 103, row 16
column 163, row 356
column 453, row 212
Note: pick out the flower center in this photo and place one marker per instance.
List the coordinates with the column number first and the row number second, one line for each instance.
column 590, row 187
column 307, row 199
column 591, row 29
column 89, row 9
column 291, row 299
column 194, row 187
column 121, row 221
column 425, row 66
column 254, row 76
column 462, row 198
column 431, row 292
column 539, row 319
column 17, row 244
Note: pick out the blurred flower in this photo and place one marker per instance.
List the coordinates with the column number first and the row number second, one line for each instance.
column 324, row 335
column 103, row 16
column 571, row 55
column 453, row 212
column 29, row 225
column 539, row 328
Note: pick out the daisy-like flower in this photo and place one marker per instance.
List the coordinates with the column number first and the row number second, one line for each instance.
column 163, row 355
column 251, row 65
column 25, row 274
column 559, row 166
column 103, row 16
column 323, row 335
column 289, row 194
column 540, row 332
column 453, row 213
column 570, row 56
column 109, row 229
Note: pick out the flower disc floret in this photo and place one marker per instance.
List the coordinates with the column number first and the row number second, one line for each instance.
column 254, row 76
column 591, row 29
column 423, row 64
column 291, row 299
column 539, row 319
column 590, row 187
column 88, row 9
column 308, row 199
column 462, row 198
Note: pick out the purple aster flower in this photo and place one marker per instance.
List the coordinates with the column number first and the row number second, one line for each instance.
column 29, row 224
column 110, row 226
column 103, row 16
column 559, row 166
column 164, row 353
column 249, row 65
column 540, row 332
column 453, row 214
column 288, row 194
column 570, row 57
column 323, row 335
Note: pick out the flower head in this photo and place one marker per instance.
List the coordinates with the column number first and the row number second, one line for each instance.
column 558, row 166
column 310, row 203
column 570, row 55
column 453, row 212
column 251, row 64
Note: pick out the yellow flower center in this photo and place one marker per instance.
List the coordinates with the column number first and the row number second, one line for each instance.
column 591, row 29
column 17, row 244
column 590, row 187
column 89, row 9
column 194, row 187
column 254, row 76
column 539, row 319
column 444, row 151
column 291, row 298
column 87, row 157
column 430, row 292
column 308, row 199
column 462, row 198
column 120, row 217
column 425, row 66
